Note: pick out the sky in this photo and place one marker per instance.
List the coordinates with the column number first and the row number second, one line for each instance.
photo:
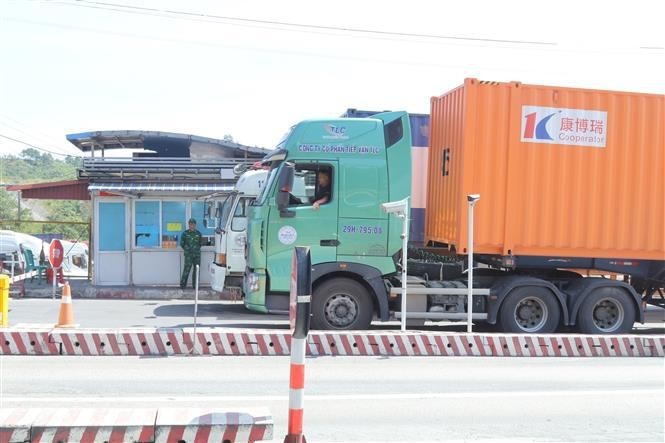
column 252, row 69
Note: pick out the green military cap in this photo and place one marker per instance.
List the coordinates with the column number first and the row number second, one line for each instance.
column 191, row 220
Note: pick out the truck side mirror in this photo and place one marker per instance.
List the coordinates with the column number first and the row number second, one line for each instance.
column 284, row 187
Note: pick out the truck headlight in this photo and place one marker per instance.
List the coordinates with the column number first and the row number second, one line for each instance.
column 253, row 282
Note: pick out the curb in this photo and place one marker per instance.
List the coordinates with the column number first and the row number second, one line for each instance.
column 133, row 293
column 258, row 342
column 83, row 289
column 136, row 425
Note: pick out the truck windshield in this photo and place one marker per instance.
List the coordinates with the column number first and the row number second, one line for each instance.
column 266, row 189
column 282, row 142
column 226, row 210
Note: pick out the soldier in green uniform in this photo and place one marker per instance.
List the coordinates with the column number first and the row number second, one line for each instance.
column 190, row 240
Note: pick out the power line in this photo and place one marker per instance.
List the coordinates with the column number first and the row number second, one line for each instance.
column 34, row 132
column 35, row 147
column 362, row 59
column 61, row 152
column 310, row 29
column 197, row 16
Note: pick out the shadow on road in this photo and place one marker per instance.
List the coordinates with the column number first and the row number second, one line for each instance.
column 246, row 325
column 184, row 310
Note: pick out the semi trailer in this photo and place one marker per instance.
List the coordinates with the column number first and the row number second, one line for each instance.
column 570, row 180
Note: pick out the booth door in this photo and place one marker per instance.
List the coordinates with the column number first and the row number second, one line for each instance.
column 112, row 267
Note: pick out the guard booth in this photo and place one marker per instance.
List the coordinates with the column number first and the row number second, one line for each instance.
column 141, row 204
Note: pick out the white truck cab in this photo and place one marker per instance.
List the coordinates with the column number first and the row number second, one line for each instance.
column 231, row 232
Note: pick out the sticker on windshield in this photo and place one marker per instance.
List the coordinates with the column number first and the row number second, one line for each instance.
column 287, row 235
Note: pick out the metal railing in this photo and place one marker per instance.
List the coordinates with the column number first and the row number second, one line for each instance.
column 148, row 168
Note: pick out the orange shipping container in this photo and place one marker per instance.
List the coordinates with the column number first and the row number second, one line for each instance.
column 561, row 172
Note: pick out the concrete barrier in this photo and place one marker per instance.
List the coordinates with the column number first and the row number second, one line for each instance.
column 92, row 425
column 263, row 342
column 27, row 341
column 15, row 424
column 210, row 425
column 135, row 425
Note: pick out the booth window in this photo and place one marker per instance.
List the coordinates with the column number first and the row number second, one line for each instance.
column 146, row 224
column 111, row 226
column 173, row 222
column 160, row 223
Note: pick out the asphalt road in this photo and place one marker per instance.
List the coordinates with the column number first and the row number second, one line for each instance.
column 372, row 399
column 180, row 313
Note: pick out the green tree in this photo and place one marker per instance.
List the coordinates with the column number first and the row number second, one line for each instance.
column 35, row 158
column 32, row 166
column 68, row 210
column 9, row 212
column 8, row 205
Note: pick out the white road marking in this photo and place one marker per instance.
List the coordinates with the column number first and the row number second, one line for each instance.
column 340, row 397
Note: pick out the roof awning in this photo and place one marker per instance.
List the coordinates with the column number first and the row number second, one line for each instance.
column 166, row 144
column 59, row 190
column 157, row 188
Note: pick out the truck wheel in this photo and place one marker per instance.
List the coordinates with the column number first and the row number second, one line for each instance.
column 606, row 311
column 529, row 309
column 341, row 303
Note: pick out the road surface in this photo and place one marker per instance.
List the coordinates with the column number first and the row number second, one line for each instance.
column 373, row 399
column 179, row 313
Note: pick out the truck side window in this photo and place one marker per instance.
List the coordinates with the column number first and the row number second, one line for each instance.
column 241, row 208
column 393, row 132
column 312, row 184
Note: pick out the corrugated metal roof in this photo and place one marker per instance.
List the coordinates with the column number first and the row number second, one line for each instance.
column 159, row 187
column 60, row 190
column 166, row 144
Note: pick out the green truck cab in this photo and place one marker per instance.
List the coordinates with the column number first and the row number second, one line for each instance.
column 354, row 244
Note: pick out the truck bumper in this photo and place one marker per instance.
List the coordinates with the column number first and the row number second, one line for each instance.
column 254, row 288
column 217, row 277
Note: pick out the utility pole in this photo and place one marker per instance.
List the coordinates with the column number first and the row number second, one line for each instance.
column 18, row 197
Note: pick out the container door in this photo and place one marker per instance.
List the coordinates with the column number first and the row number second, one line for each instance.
column 112, row 258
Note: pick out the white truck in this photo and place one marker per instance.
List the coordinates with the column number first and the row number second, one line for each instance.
column 228, row 266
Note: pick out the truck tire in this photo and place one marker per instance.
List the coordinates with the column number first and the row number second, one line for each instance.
column 341, row 303
column 529, row 309
column 606, row 311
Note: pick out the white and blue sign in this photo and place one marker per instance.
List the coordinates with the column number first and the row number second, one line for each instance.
column 562, row 126
column 335, row 132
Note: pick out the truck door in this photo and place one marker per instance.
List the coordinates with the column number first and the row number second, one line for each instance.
column 308, row 225
column 237, row 237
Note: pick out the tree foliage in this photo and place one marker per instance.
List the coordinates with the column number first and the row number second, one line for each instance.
column 32, row 166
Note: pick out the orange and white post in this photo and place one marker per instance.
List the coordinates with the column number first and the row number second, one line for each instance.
column 299, row 312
